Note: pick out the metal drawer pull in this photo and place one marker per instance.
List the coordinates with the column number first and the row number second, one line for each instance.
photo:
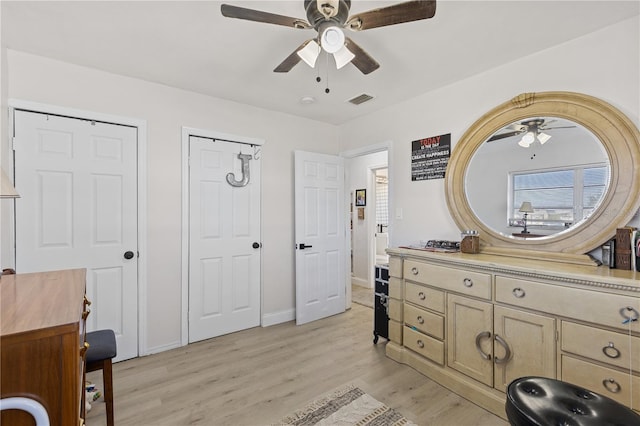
column 518, row 292
column 629, row 318
column 414, row 270
column 83, row 349
column 507, row 350
column 467, row 282
column 420, row 344
column 420, row 319
column 86, row 313
column 611, row 351
column 611, row 385
column 480, row 336
column 422, row 296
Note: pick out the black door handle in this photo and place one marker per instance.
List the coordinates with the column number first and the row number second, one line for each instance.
column 255, row 245
column 303, row 246
column 128, row 255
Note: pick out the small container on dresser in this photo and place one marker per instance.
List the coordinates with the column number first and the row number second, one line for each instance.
column 470, row 242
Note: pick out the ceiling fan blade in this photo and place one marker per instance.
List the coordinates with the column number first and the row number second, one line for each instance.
column 291, row 60
column 391, row 15
column 258, row 16
column 504, row 135
column 365, row 63
column 559, row 127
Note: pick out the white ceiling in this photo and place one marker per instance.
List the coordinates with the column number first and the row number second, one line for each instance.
column 190, row 45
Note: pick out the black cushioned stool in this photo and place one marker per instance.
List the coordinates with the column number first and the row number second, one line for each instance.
column 102, row 348
column 538, row 401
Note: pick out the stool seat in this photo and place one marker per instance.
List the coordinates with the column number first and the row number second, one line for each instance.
column 102, row 348
column 540, row 401
column 102, row 345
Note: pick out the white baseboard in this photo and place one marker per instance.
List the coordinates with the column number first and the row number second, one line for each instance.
column 359, row 282
column 278, row 317
column 162, row 348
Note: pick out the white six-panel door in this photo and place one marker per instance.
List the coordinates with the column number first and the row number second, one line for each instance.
column 224, row 239
column 78, row 209
column 320, row 236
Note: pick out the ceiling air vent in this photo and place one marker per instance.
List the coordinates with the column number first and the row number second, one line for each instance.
column 360, row 99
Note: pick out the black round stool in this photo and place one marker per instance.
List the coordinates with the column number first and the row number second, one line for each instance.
column 538, row 401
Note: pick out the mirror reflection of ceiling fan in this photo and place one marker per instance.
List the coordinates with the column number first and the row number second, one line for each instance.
column 328, row 18
column 531, row 130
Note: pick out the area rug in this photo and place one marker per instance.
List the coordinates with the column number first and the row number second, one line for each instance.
column 347, row 406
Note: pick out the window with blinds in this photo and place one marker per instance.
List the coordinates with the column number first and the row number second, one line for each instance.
column 559, row 197
column 382, row 203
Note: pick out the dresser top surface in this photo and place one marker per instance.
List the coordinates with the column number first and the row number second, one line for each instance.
column 604, row 274
column 40, row 300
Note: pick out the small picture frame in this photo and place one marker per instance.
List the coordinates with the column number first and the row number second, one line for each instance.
column 360, row 213
column 361, row 197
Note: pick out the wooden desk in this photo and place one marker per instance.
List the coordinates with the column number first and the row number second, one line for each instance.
column 42, row 327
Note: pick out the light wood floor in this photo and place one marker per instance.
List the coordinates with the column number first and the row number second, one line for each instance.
column 257, row 376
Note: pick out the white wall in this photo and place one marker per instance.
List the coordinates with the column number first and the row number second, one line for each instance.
column 166, row 110
column 360, row 177
column 604, row 64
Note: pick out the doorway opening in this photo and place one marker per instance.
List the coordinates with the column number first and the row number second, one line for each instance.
column 368, row 173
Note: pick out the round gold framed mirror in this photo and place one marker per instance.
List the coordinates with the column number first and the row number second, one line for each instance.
column 604, row 128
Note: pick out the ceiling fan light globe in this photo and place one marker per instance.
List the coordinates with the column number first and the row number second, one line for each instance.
column 343, row 57
column 543, row 138
column 527, row 139
column 332, row 39
column 523, row 143
column 309, row 54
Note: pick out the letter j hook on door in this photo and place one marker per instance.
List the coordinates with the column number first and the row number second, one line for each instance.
column 231, row 178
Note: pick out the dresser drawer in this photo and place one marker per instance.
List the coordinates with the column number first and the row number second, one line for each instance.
column 597, row 307
column 424, row 296
column 426, row 346
column 469, row 283
column 424, row 321
column 605, row 381
column 601, row 345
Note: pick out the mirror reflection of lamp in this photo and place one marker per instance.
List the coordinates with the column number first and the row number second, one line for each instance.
column 525, row 208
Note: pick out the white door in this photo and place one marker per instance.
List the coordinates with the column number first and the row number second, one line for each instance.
column 78, row 209
column 224, row 238
column 320, row 236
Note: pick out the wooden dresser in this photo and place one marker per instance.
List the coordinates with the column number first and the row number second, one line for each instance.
column 42, row 343
column 476, row 322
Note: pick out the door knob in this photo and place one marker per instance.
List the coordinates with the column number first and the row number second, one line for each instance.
column 255, row 245
column 128, row 255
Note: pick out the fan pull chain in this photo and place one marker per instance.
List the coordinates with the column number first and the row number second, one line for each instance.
column 327, row 88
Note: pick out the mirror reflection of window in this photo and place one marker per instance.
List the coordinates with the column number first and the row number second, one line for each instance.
column 560, row 198
column 564, row 175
